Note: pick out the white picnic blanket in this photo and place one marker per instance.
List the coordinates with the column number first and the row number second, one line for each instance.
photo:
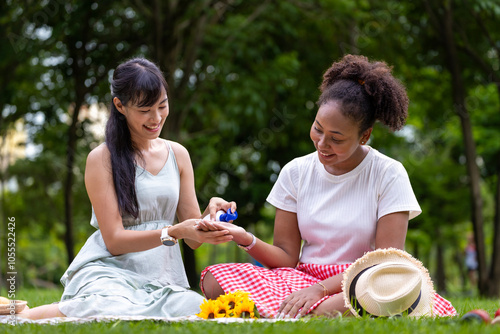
column 6, row 320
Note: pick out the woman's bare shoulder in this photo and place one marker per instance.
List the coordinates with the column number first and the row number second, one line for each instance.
column 178, row 148
column 99, row 157
column 181, row 156
column 181, row 153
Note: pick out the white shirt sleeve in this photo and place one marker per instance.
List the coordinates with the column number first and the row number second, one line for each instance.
column 283, row 195
column 396, row 193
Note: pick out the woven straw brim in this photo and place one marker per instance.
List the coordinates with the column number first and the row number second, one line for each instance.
column 425, row 305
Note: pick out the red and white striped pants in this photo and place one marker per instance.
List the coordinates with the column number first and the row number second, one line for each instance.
column 269, row 287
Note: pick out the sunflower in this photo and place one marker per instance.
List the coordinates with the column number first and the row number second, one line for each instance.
column 224, row 308
column 242, row 295
column 229, row 299
column 245, row 309
column 234, row 298
column 231, row 305
column 210, row 310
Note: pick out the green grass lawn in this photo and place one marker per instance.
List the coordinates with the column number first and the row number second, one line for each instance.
column 316, row 325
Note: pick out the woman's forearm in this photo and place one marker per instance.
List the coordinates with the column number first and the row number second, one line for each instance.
column 272, row 256
column 333, row 285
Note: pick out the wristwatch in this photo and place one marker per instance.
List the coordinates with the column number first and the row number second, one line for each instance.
column 254, row 241
column 166, row 239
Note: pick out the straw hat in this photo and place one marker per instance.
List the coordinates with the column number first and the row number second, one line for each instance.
column 388, row 282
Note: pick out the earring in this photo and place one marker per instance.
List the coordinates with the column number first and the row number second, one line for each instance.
column 362, row 143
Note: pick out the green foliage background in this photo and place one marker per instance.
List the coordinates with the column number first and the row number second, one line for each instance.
column 244, row 79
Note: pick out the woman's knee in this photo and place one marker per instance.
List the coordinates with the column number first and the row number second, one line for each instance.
column 332, row 307
column 211, row 288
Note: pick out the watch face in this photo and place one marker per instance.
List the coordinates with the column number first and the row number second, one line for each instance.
column 168, row 242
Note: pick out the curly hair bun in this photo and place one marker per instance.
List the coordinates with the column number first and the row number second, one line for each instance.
column 368, row 90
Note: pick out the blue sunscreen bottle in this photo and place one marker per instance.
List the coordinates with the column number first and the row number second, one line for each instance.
column 222, row 216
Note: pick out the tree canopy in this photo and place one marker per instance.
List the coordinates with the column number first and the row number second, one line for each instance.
column 243, row 84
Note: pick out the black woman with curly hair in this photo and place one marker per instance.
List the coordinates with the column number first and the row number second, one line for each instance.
column 333, row 205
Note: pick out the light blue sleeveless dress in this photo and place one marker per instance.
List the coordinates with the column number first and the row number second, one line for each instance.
column 149, row 283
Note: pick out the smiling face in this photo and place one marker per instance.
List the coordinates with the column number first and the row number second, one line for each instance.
column 337, row 139
column 145, row 122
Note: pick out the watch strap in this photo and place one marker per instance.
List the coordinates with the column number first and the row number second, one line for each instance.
column 167, row 239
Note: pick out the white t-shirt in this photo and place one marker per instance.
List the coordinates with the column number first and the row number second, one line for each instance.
column 338, row 214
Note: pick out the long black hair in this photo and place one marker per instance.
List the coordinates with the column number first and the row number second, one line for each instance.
column 136, row 82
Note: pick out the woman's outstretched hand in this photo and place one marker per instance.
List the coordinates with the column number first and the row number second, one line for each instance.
column 239, row 234
column 189, row 230
column 299, row 302
column 206, row 225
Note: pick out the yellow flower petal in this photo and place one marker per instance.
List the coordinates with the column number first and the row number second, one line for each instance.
column 210, row 310
column 231, row 305
column 245, row 308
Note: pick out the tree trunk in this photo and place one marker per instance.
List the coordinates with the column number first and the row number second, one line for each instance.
column 459, row 96
column 440, row 273
column 490, row 73
column 190, row 266
column 68, row 184
column 494, row 277
column 416, row 251
column 3, row 219
column 169, row 35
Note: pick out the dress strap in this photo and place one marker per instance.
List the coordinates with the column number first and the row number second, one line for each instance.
column 168, row 144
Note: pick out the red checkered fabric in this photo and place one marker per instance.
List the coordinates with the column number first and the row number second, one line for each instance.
column 269, row 287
